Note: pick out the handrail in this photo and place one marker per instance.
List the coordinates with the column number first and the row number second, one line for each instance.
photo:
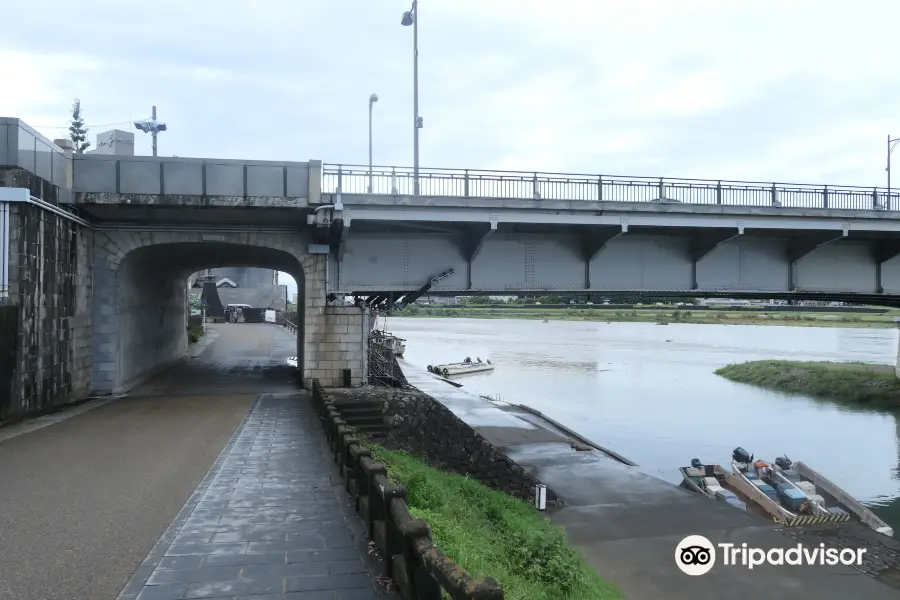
column 480, row 183
column 420, row 570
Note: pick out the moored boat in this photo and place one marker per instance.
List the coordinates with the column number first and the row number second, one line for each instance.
column 827, row 497
column 712, row 481
column 462, row 368
column 791, row 503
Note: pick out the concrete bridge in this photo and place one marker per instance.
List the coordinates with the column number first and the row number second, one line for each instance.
column 98, row 249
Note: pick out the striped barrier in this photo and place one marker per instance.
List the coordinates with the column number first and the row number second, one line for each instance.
column 802, row 520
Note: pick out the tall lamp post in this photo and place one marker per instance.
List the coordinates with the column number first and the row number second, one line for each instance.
column 372, row 100
column 892, row 143
column 151, row 126
column 411, row 17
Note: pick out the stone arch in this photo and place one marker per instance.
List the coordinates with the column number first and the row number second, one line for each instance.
column 128, row 263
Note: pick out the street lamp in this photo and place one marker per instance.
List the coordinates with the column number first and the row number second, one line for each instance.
column 151, row 126
column 372, row 100
column 892, row 143
column 411, row 17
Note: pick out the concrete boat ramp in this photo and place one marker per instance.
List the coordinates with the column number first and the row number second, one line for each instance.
column 628, row 524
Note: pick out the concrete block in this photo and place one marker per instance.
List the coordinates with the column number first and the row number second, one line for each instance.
column 224, row 180
column 90, row 175
column 139, row 177
column 183, row 178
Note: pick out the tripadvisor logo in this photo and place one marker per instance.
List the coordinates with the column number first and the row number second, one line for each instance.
column 696, row 555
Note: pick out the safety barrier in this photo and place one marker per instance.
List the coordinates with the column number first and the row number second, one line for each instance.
column 419, row 569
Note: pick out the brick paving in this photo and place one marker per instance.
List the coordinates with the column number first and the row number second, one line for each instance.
column 265, row 524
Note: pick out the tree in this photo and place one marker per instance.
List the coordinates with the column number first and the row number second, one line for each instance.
column 77, row 131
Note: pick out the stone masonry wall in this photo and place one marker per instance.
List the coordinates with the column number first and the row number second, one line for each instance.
column 343, row 346
column 50, row 283
column 427, row 428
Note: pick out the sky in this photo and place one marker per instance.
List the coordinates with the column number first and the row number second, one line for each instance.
column 799, row 91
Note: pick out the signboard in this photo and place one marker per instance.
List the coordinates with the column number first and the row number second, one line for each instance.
column 270, row 316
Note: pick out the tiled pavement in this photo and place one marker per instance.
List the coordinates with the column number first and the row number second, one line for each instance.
column 265, row 524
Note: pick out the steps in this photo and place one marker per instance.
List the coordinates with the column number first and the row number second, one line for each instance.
column 366, row 417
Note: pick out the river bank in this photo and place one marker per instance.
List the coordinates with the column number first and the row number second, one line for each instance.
column 854, row 383
column 659, row 315
column 492, row 534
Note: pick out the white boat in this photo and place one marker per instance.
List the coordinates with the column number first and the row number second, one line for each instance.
column 462, row 368
column 789, row 503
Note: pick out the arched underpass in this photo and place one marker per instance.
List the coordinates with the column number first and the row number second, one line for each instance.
column 140, row 297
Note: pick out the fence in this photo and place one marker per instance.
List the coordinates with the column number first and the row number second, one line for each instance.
column 476, row 183
column 419, row 569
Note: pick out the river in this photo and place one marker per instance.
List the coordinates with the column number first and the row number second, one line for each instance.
column 650, row 392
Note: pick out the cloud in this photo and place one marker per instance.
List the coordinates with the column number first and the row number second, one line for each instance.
column 751, row 90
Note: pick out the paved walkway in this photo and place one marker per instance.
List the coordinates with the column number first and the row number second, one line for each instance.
column 267, row 522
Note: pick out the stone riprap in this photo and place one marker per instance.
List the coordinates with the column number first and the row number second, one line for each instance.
column 267, row 521
column 426, row 428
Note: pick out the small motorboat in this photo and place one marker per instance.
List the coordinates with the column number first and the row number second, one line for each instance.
column 713, row 481
column 786, row 501
column 462, row 368
column 826, row 499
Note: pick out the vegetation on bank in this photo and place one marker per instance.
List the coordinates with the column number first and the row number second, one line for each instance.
column 660, row 315
column 852, row 383
column 492, row 534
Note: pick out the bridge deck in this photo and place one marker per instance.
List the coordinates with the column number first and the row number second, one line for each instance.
column 86, row 498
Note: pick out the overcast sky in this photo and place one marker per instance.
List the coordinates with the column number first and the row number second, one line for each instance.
column 764, row 91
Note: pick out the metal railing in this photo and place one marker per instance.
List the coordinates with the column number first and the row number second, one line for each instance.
column 419, row 569
column 477, row 183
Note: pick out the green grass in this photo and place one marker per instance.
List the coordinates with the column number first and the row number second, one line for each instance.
column 853, row 383
column 662, row 315
column 492, row 534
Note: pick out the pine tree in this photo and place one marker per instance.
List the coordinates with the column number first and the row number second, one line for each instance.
column 77, row 131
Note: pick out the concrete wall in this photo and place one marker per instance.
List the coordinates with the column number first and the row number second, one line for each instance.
column 50, row 282
column 151, row 322
column 140, row 286
column 113, row 179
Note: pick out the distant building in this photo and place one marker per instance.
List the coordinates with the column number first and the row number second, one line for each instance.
column 114, row 141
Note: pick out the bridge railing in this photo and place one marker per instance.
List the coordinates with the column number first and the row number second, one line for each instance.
column 475, row 183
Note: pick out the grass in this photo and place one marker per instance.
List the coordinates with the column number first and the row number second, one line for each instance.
column 492, row 534
column 664, row 315
column 852, row 383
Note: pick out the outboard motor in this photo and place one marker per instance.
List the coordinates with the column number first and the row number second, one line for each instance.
column 695, row 462
column 784, row 463
column 740, row 455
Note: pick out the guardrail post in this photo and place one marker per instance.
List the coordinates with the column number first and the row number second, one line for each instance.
column 599, row 188
column 466, row 183
column 394, row 181
column 662, row 190
column 825, row 197
column 775, row 196
column 537, row 192
column 875, row 199
column 340, row 185
column 718, row 192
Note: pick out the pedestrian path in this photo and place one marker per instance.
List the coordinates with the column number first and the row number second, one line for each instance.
column 265, row 524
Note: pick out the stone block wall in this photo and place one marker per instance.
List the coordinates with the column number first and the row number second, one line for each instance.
column 50, row 283
column 424, row 427
column 341, row 346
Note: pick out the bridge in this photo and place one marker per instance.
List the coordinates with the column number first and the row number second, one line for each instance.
column 96, row 251
column 98, row 248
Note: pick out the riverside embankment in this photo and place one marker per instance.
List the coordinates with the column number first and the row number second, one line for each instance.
column 858, row 317
column 627, row 523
